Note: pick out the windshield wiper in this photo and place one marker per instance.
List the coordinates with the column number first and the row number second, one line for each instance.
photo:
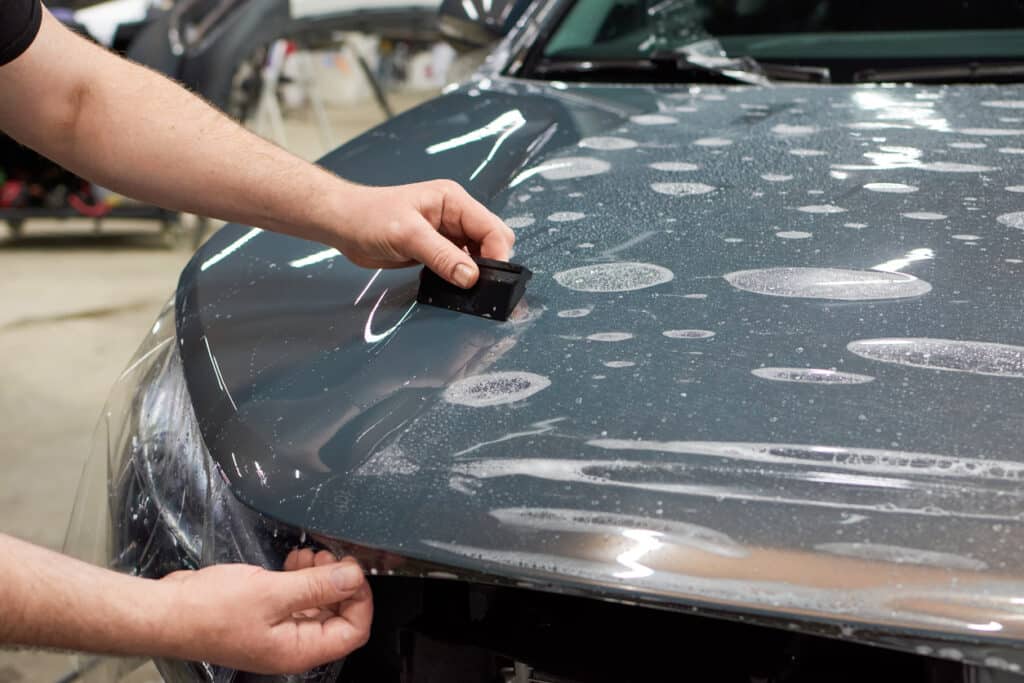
column 734, row 70
column 947, row 73
column 746, row 69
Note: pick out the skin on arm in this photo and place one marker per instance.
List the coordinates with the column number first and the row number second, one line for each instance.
column 128, row 128
column 239, row 616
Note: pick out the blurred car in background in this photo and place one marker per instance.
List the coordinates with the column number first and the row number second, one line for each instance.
column 245, row 57
column 758, row 417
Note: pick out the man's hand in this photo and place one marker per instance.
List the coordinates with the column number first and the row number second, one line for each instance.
column 243, row 617
column 434, row 223
column 136, row 132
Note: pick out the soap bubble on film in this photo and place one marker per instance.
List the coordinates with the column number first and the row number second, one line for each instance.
column 811, row 376
column 952, row 355
column 1012, row 220
column 682, row 189
column 674, row 166
column 837, row 284
column 821, row 209
column 566, row 216
column 607, row 143
column 893, row 188
column 613, row 277
column 575, row 312
column 495, row 388
column 713, row 142
column 688, row 334
column 924, row 216
column 568, row 168
column 786, row 130
column 610, row 336
column 653, row 119
column 519, row 221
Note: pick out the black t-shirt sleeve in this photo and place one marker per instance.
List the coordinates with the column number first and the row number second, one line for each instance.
column 19, row 24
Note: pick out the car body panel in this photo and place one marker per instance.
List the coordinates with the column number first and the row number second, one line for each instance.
column 880, row 494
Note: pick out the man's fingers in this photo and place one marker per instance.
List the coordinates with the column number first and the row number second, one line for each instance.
column 441, row 255
column 466, row 220
column 316, row 587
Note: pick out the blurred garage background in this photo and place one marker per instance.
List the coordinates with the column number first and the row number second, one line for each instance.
column 84, row 270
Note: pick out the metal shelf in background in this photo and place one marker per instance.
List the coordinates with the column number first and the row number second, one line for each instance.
column 15, row 218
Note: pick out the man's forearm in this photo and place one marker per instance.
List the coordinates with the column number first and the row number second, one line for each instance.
column 49, row 600
column 136, row 132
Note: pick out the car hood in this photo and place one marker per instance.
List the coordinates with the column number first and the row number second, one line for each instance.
column 769, row 364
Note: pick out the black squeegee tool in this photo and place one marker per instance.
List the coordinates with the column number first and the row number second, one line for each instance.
column 496, row 293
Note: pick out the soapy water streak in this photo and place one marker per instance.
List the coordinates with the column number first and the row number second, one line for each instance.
column 922, row 472
column 671, row 532
column 900, row 555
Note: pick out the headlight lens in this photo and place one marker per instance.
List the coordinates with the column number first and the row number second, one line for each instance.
column 151, row 500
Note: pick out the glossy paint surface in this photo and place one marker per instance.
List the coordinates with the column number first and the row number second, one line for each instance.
column 771, row 361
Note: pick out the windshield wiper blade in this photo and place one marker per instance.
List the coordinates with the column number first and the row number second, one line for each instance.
column 969, row 71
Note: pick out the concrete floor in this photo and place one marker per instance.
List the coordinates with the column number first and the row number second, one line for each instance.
column 73, row 308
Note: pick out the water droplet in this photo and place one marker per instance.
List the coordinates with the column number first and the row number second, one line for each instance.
column 677, row 166
column 1012, row 220
column 924, row 216
column 653, row 119
column 610, row 336
column 1015, row 188
column 855, row 226
column 681, row 189
column 979, row 358
column 811, row 376
column 896, row 188
column 966, row 238
column 776, row 177
column 821, row 208
column 618, row 363
column 495, row 388
column 613, row 277
column 793, row 235
column 828, row 283
column 566, row 216
column 607, row 143
column 688, row 334
column 968, row 145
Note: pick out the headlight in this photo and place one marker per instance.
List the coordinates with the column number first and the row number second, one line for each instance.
column 151, row 500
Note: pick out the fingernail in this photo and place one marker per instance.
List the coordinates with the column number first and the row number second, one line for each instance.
column 346, row 578
column 463, row 275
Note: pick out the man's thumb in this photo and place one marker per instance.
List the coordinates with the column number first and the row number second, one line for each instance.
column 322, row 586
column 442, row 256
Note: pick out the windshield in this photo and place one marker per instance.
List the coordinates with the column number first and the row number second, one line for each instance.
column 821, row 32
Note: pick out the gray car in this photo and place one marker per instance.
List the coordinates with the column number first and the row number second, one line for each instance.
column 758, row 417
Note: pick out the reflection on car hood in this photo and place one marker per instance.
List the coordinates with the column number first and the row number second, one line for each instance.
column 771, row 361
